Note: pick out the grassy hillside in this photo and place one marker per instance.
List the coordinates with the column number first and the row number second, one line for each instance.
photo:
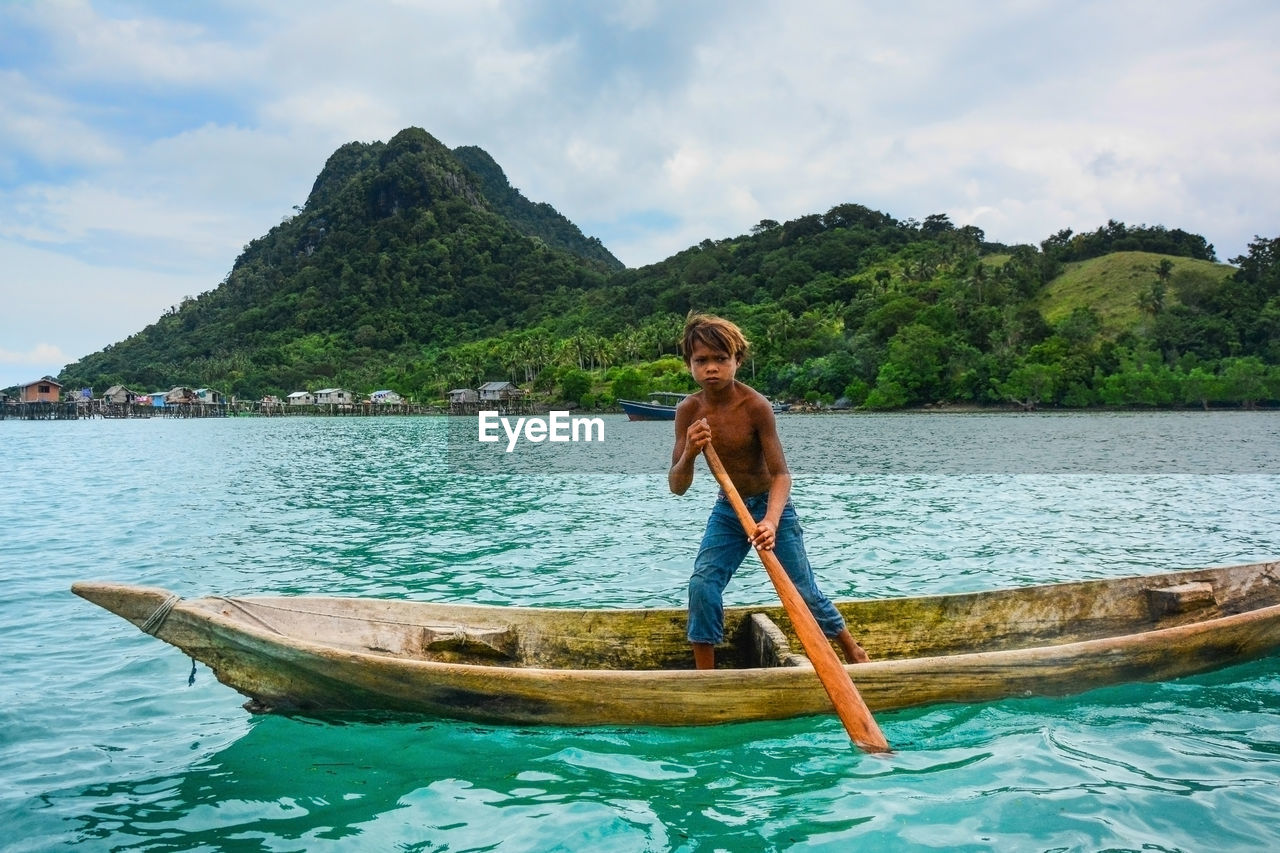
column 1113, row 284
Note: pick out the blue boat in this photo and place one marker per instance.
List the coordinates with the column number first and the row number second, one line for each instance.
column 653, row 410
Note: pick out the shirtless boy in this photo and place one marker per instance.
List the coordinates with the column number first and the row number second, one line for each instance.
column 741, row 421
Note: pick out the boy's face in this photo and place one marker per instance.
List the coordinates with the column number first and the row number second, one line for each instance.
column 712, row 368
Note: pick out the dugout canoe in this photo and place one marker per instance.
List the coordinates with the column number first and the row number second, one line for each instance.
column 320, row 655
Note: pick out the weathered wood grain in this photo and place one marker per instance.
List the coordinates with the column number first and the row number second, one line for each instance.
column 623, row 667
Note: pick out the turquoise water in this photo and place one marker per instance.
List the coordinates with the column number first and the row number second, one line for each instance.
column 104, row 746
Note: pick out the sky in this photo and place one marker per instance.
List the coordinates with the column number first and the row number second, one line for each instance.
column 144, row 144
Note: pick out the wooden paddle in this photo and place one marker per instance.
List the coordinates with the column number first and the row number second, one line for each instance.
column 853, row 712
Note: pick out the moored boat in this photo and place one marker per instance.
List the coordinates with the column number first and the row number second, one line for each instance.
column 653, row 410
column 623, row 667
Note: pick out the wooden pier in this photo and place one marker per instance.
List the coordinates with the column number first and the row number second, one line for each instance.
column 40, row 411
column 340, row 410
column 84, row 409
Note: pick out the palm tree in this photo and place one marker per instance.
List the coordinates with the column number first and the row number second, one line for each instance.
column 1151, row 300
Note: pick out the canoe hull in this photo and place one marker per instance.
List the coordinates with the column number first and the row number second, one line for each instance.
column 499, row 664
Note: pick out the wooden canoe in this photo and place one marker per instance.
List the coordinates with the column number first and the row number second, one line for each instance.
column 624, row 667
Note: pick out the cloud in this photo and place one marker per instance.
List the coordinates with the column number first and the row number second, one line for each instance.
column 1037, row 137
column 21, row 367
column 41, row 353
column 42, row 130
column 58, row 308
column 150, row 51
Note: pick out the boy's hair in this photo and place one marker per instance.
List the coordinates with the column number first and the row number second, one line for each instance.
column 715, row 332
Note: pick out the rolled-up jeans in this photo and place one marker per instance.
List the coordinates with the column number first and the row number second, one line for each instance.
column 725, row 545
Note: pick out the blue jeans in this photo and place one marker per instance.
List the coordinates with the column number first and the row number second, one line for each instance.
column 725, row 545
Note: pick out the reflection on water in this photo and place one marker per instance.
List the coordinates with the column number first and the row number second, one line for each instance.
column 1100, row 767
column 102, row 744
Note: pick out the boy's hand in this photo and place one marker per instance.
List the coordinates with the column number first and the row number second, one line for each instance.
column 766, row 536
column 698, row 435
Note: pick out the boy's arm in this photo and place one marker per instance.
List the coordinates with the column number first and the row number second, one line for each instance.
column 691, row 437
column 779, row 475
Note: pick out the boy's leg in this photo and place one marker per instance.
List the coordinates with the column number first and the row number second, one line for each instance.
column 724, row 545
column 790, row 551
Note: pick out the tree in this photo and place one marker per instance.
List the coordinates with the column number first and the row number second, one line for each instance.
column 937, row 223
column 574, row 383
column 1030, row 384
column 1261, row 266
column 630, row 384
column 892, row 315
column 1151, row 300
column 1142, row 380
column 917, row 354
column 1080, row 327
column 1201, row 386
column 887, row 394
column 1244, row 380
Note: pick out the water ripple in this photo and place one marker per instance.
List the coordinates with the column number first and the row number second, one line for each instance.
column 103, row 745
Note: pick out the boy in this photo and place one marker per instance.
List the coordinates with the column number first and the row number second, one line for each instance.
column 746, row 438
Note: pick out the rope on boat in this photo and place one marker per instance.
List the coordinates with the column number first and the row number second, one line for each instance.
column 250, row 614
column 155, row 620
column 191, row 679
column 262, row 604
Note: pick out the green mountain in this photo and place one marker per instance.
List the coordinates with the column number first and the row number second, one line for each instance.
column 418, row 268
column 399, row 246
column 539, row 220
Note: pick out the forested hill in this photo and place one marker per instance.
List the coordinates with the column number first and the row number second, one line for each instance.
column 420, row 269
column 539, row 220
column 856, row 305
column 400, row 245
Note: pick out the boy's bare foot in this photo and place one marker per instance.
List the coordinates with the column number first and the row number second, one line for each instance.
column 853, row 652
